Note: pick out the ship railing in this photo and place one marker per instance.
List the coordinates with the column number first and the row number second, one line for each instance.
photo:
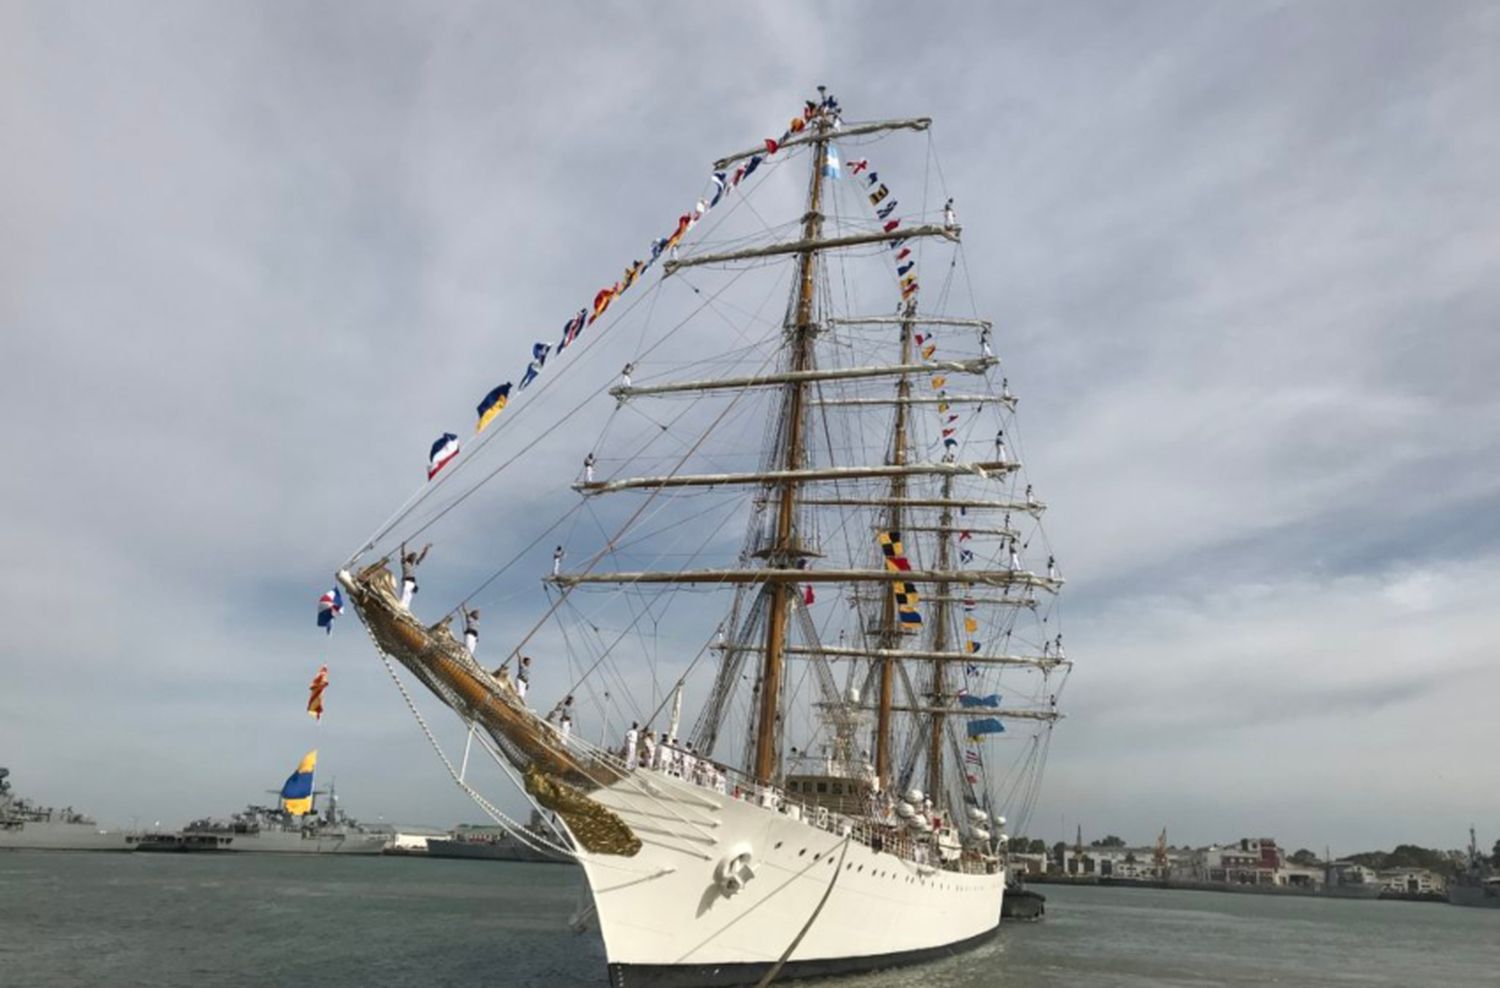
column 876, row 835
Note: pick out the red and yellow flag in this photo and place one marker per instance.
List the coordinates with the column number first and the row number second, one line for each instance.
column 315, row 699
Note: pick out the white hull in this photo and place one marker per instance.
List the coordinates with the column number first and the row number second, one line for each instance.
column 666, row 921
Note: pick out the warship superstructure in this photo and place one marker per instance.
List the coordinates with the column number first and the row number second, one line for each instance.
column 25, row 825
column 272, row 830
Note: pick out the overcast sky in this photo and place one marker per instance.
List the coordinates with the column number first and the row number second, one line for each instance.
column 1240, row 257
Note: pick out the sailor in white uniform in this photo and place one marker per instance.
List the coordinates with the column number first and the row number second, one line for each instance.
column 471, row 630
column 557, row 558
column 523, row 677
column 409, row 563
column 632, row 738
column 588, row 469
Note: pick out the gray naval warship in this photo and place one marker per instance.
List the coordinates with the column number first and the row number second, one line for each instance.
column 497, row 844
column 273, row 830
column 24, row 825
column 1478, row 884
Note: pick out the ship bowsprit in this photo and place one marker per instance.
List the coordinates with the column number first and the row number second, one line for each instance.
column 556, row 776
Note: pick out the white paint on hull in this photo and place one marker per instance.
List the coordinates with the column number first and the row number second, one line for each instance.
column 665, row 906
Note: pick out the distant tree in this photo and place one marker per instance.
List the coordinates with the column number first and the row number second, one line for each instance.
column 1406, row 856
column 1495, row 855
column 1303, row 856
column 1060, row 852
column 1130, row 857
column 1110, row 841
column 1037, row 846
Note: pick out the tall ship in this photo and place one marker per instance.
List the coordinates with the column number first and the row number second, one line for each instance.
column 875, row 662
column 1478, row 884
column 293, row 826
column 26, row 825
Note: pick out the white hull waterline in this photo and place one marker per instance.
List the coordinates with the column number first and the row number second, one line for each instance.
column 667, row 920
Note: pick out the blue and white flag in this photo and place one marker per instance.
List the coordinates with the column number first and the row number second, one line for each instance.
column 832, row 168
column 330, row 606
column 443, row 452
column 721, row 186
column 539, row 353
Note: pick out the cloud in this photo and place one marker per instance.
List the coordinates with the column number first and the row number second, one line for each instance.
column 253, row 264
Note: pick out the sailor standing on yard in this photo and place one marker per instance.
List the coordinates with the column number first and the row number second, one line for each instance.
column 557, row 558
column 471, row 630
column 949, row 220
column 588, row 469
column 565, row 718
column 523, row 677
column 409, row 563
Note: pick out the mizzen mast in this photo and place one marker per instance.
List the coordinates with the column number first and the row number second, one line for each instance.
column 890, row 625
column 940, row 645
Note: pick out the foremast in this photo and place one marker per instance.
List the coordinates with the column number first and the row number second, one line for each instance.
column 786, row 549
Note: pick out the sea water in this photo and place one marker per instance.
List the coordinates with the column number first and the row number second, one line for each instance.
column 205, row 921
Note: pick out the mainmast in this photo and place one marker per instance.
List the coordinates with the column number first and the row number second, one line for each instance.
column 786, row 548
column 890, row 625
column 940, row 645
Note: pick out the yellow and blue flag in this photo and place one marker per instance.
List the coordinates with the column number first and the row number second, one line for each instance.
column 296, row 793
column 494, row 403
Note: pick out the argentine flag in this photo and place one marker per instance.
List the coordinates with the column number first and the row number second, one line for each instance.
column 831, row 166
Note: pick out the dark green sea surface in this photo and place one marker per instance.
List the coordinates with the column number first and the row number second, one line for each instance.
column 190, row 921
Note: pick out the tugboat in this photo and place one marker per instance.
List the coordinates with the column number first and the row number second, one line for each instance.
column 26, row 826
